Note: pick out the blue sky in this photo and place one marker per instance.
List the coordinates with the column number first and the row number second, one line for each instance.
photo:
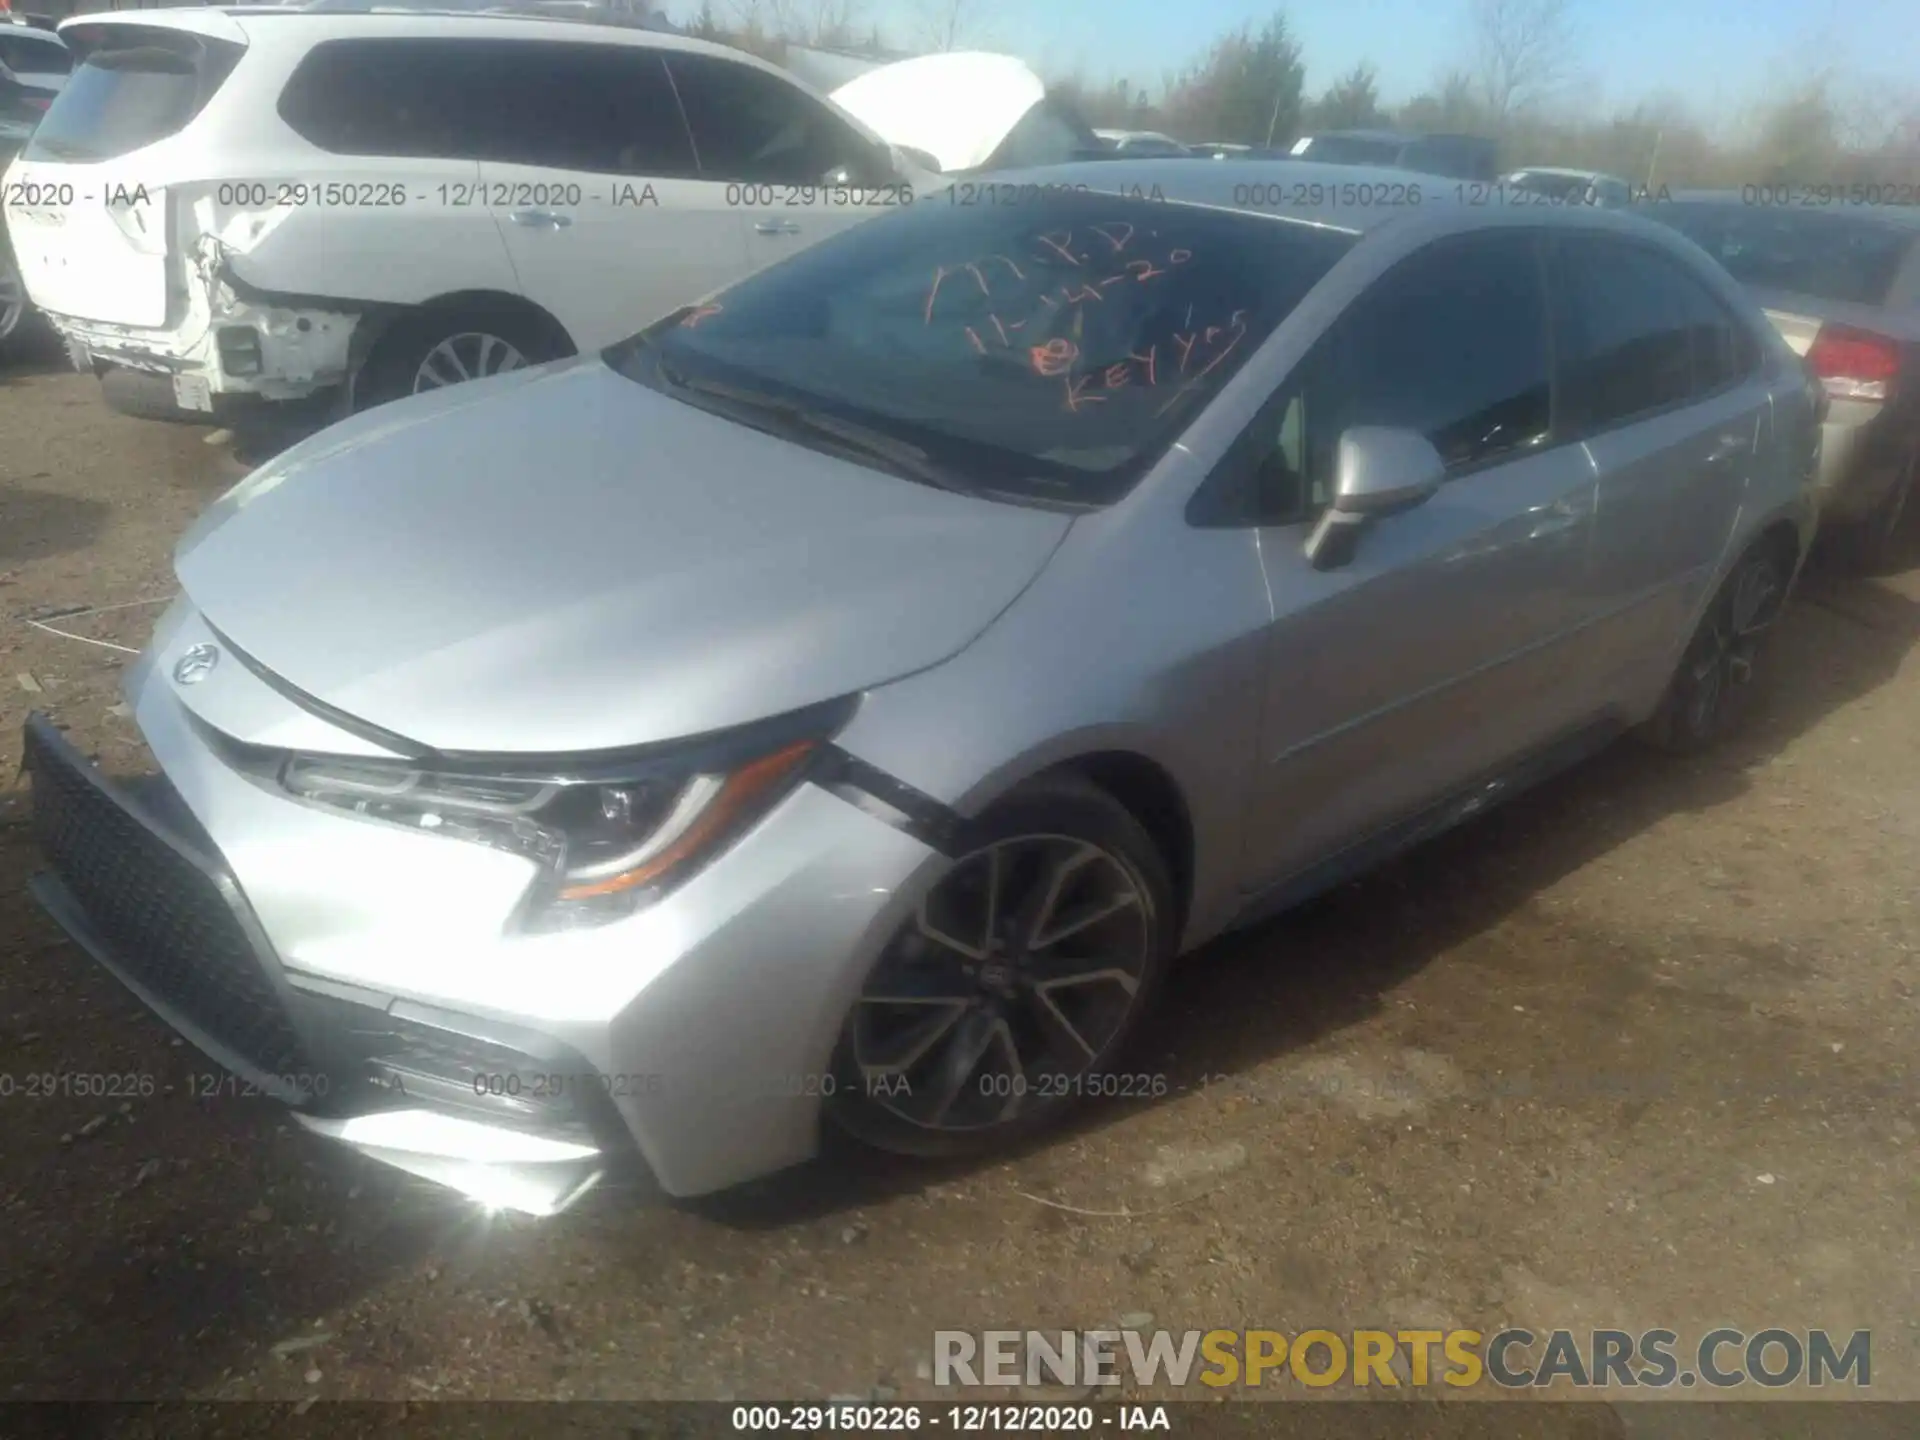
column 1719, row 55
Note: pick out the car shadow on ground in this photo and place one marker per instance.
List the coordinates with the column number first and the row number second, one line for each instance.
column 36, row 524
column 30, row 353
column 1256, row 995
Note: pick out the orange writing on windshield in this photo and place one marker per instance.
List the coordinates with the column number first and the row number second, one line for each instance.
column 1065, row 323
column 1056, row 357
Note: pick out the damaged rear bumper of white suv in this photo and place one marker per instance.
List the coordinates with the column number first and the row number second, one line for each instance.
column 231, row 348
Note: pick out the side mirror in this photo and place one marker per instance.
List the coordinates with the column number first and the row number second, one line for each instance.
column 1380, row 471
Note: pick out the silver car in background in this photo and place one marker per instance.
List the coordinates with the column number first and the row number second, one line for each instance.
column 1842, row 283
column 838, row 704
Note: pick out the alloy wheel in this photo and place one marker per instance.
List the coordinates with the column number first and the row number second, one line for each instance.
column 13, row 299
column 1723, row 656
column 1893, row 509
column 1012, row 981
column 472, row 355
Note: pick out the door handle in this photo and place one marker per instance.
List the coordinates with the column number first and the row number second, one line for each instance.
column 1556, row 520
column 776, row 227
column 1728, row 447
column 540, row 219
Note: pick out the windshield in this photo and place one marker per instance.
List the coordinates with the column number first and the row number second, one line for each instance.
column 134, row 85
column 1047, row 352
column 1847, row 257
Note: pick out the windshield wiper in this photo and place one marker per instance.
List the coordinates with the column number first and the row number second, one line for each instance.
column 794, row 421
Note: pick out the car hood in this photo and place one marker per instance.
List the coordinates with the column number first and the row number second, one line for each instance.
column 562, row 560
column 957, row 107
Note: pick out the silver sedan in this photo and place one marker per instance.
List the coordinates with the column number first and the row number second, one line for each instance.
column 840, row 703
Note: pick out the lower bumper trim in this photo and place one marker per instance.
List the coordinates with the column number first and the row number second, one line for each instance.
column 502, row 1169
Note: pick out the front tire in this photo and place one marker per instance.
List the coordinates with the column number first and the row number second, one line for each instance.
column 1005, row 1002
column 1708, row 696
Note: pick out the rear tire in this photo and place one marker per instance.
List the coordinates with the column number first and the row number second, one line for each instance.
column 1050, row 990
column 17, row 314
column 1869, row 546
column 1708, row 696
column 439, row 347
column 143, row 395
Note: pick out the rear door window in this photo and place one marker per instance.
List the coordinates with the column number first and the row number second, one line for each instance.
column 603, row 109
column 1637, row 334
column 26, row 53
column 134, row 85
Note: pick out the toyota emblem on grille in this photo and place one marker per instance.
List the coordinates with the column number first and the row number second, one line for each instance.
column 195, row 664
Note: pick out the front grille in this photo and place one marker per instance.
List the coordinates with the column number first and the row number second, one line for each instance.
column 163, row 918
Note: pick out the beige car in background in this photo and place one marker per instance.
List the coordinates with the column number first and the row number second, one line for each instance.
column 1842, row 284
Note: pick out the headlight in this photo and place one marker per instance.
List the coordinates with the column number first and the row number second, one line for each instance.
column 610, row 836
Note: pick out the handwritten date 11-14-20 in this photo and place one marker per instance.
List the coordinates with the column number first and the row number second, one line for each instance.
column 1040, row 303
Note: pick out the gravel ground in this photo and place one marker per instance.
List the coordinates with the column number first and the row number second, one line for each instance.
column 1637, row 1050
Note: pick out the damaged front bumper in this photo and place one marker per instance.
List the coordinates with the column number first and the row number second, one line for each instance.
column 232, row 340
column 134, row 881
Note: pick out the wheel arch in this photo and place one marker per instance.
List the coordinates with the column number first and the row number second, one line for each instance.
column 1788, row 530
column 1148, row 791
column 369, row 338
column 1144, row 786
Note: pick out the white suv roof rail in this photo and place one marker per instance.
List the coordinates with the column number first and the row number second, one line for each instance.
column 618, row 12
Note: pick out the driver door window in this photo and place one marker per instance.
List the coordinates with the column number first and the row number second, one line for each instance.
column 1451, row 342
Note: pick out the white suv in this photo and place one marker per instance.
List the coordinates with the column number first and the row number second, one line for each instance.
column 233, row 205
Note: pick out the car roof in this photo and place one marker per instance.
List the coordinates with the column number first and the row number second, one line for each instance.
column 1354, row 198
column 302, row 25
column 1905, row 215
column 1562, row 171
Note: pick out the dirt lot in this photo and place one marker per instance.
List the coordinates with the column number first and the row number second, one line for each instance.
column 1637, row 1051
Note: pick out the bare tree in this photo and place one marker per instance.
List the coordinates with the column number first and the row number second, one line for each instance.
column 801, row 22
column 1522, row 52
column 947, row 24
column 1870, row 111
